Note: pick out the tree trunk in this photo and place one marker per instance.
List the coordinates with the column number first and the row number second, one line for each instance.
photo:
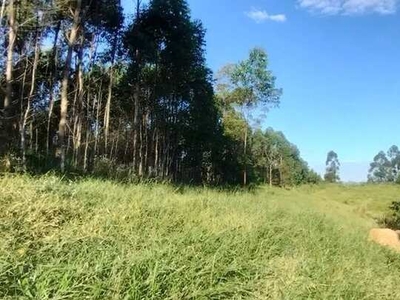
column 270, row 175
column 109, row 96
column 30, row 96
column 12, row 35
column 156, row 153
column 97, row 133
column 51, row 88
column 3, row 6
column 64, row 85
column 85, row 157
column 78, row 110
column 245, row 158
column 135, row 124
column 136, row 92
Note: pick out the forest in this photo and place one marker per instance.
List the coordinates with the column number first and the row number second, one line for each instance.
column 88, row 89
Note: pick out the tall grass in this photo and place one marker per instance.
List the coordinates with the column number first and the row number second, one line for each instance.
column 96, row 239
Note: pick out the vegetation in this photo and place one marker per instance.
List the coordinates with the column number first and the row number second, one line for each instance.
column 385, row 167
column 84, row 90
column 102, row 100
column 392, row 219
column 101, row 240
column 332, row 167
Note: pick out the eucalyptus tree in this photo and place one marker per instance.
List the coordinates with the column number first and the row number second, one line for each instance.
column 246, row 85
column 83, row 20
column 332, row 167
column 170, row 88
column 385, row 166
column 8, row 97
column 277, row 161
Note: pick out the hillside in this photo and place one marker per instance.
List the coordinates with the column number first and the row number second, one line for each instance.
column 96, row 239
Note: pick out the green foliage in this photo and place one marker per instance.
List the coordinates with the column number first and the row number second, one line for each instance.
column 332, row 167
column 250, row 82
column 278, row 162
column 392, row 219
column 95, row 239
column 386, row 166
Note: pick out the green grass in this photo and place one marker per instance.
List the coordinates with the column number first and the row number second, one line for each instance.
column 100, row 240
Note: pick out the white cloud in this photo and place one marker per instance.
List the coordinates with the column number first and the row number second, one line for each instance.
column 350, row 7
column 260, row 16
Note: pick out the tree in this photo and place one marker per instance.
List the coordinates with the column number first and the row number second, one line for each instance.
column 277, row 161
column 332, row 167
column 12, row 37
column 71, row 38
column 246, row 85
column 394, row 157
column 386, row 166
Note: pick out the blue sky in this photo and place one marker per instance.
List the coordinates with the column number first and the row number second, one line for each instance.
column 338, row 62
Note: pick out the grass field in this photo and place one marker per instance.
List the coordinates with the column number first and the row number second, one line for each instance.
column 101, row 240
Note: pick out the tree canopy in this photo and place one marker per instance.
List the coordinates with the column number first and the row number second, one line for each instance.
column 84, row 89
column 332, row 167
column 385, row 166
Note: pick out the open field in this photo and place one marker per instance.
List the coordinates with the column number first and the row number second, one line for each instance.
column 101, row 240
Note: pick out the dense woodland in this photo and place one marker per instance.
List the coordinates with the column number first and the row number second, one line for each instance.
column 86, row 89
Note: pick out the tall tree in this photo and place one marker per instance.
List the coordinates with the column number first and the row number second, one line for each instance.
column 394, row 157
column 386, row 166
column 8, row 98
column 75, row 8
column 246, row 85
column 332, row 167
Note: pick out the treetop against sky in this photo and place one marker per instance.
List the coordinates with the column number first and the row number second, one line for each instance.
column 336, row 61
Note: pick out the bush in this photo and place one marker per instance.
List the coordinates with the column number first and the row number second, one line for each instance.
column 110, row 169
column 392, row 220
column 11, row 163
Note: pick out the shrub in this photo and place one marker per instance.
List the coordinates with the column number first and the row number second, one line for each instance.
column 10, row 163
column 392, row 219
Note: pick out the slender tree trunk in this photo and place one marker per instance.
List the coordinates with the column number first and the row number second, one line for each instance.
column 96, row 142
column 12, row 35
column 136, row 92
column 155, row 141
column 52, row 80
column 126, row 145
column 37, row 139
column 141, row 146
column 22, row 109
column 3, row 6
column 30, row 96
column 51, row 108
column 31, row 135
column 85, row 157
column 146, row 143
column 108, row 108
column 270, row 175
column 245, row 158
column 64, row 86
column 117, row 143
column 135, row 124
column 78, row 110
column 109, row 96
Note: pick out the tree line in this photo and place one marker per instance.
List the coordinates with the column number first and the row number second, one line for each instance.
column 85, row 88
column 385, row 166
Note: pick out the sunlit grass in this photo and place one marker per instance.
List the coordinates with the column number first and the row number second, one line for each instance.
column 100, row 240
